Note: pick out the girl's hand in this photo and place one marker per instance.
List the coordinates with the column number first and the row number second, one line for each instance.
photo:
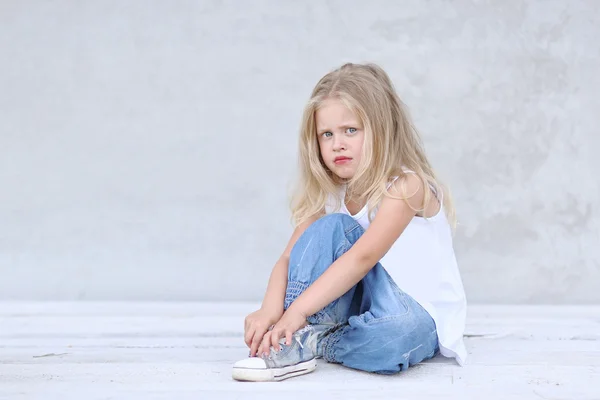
column 288, row 324
column 257, row 324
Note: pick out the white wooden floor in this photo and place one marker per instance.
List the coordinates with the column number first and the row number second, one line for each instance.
column 185, row 351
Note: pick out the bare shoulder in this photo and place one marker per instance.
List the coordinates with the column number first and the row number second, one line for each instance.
column 412, row 188
column 409, row 187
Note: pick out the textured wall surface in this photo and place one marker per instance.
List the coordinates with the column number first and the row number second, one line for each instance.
column 147, row 148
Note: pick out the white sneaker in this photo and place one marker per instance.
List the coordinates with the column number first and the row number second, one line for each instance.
column 299, row 358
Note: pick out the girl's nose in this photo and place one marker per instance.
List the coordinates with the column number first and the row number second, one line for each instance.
column 338, row 143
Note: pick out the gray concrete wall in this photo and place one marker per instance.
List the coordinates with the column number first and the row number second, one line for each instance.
column 146, row 147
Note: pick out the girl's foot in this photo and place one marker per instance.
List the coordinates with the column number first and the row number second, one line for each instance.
column 296, row 359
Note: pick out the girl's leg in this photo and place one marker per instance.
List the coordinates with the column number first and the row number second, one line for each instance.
column 375, row 326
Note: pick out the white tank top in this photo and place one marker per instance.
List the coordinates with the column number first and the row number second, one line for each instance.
column 422, row 263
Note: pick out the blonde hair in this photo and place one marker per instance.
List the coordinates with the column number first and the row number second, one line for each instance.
column 391, row 143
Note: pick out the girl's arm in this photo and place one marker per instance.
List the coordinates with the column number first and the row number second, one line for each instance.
column 257, row 323
column 392, row 218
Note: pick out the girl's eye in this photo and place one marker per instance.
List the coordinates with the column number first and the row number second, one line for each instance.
column 327, row 134
column 351, row 130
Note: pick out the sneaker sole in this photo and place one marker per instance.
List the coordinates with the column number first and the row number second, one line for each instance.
column 274, row 374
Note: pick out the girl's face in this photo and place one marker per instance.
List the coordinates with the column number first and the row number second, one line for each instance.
column 341, row 136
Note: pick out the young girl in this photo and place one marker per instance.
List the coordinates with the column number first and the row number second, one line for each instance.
column 369, row 278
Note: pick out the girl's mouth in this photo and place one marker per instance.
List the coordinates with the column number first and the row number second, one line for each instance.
column 342, row 160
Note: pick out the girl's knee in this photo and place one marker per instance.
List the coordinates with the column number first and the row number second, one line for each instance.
column 332, row 222
column 337, row 217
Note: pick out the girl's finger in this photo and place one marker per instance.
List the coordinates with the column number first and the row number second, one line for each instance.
column 275, row 336
column 248, row 335
column 261, row 347
column 288, row 337
column 256, row 340
column 266, row 343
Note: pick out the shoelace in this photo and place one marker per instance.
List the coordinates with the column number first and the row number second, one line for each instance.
column 273, row 352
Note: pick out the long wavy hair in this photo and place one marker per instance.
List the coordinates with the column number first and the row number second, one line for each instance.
column 391, row 145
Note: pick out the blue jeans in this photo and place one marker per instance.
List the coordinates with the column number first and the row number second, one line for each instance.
column 376, row 327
